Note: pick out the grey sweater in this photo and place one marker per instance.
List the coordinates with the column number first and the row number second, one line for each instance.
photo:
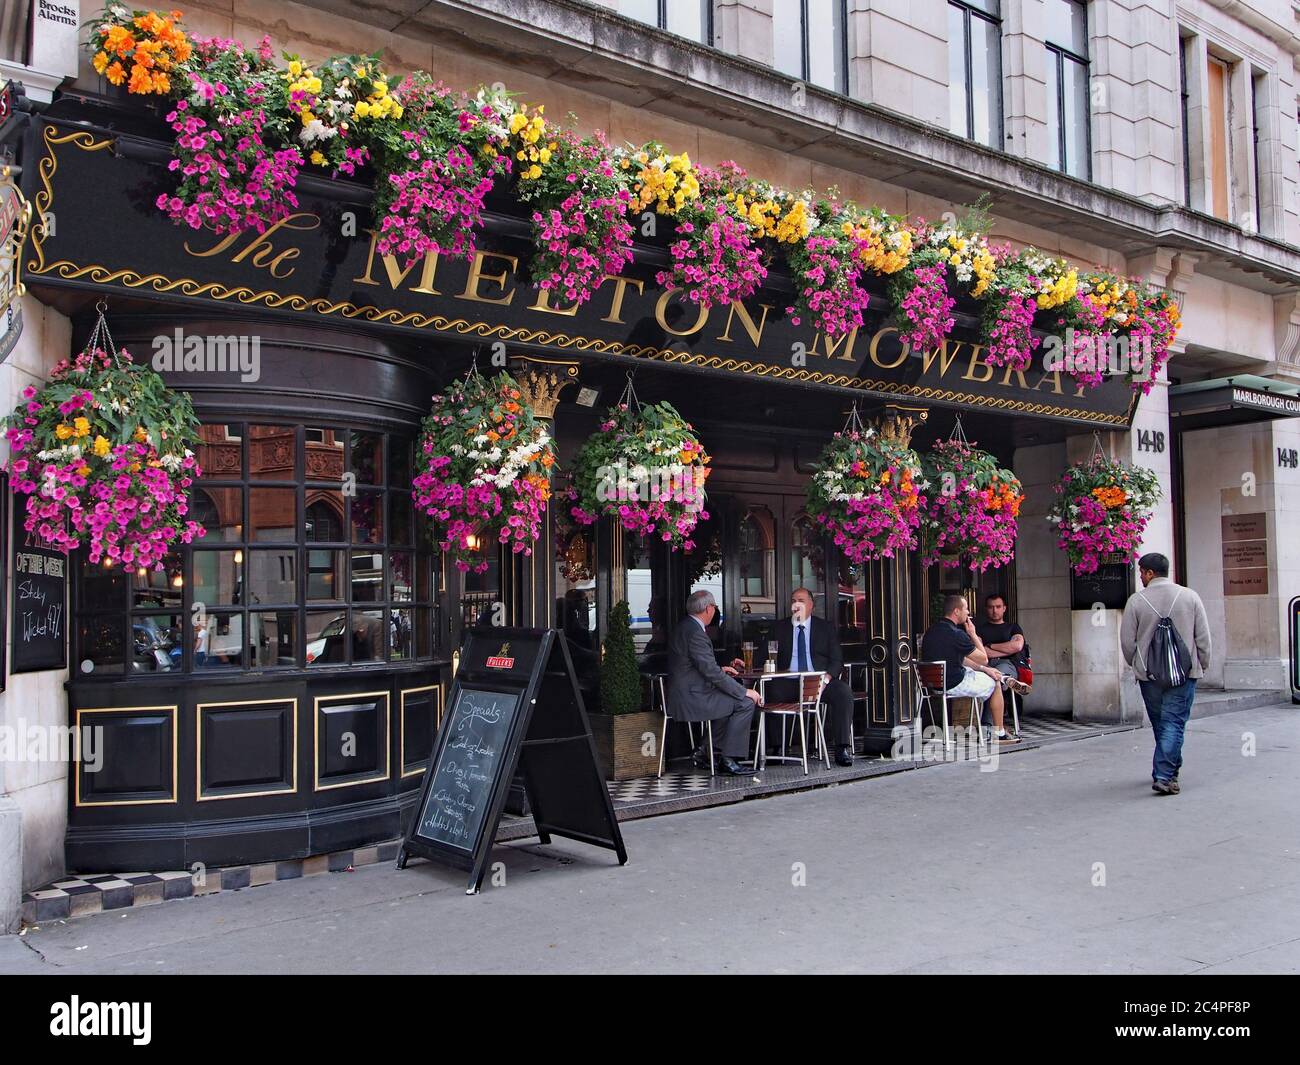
column 1164, row 598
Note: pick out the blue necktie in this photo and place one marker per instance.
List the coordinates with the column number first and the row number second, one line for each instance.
column 801, row 651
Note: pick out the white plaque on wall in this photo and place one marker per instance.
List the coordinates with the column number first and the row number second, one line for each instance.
column 54, row 36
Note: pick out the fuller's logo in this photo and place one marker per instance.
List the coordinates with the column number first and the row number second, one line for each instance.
column 502, row 659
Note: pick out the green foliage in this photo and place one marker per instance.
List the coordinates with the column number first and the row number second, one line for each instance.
column 620, row 681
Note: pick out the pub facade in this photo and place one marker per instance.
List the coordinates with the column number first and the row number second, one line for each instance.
column 275, row 689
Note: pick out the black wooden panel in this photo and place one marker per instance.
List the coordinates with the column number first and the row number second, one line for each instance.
column 351, row 739
column 419, row 723
column 135, row 751
column 246, row 747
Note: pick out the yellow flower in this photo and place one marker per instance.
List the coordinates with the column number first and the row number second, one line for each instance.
column 295, row 68
column 362, row 109
column 102, row 446
column 317, row 158
column 63, row 431
column 83, row 426
column 100, row 62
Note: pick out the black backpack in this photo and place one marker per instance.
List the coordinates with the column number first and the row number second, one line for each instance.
column 1167, row 660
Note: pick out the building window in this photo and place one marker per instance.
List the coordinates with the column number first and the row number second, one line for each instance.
column 1218, row 192
column 809, row 42
column 686, row 18
column 1184, row 45
column 1067, row 87
column 293, row 572
column 975, row 71
column 15, row 20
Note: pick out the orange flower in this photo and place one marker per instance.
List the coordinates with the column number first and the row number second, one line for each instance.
column 548, row 460
column 115, row 73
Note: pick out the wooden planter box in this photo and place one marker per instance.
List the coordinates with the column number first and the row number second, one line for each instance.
column 620, row 739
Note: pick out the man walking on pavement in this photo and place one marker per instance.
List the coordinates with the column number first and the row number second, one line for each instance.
column 1162, row 624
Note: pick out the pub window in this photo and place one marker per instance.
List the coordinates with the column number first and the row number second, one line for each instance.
column 293, row 572
column 808, row 561
column 1218, row 188
column 975, row 70
column 1067, row 87
column 809, row 41
column 686, row 18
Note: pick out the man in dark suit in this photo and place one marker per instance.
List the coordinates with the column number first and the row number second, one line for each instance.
column 806, row 643
column 701, row 690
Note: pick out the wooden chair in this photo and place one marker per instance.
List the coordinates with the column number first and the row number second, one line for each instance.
column 808, row 704
column 660, row 682
column 931, row 684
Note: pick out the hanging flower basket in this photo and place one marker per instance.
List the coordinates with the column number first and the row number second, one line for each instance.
column 484, row 469
column 867, row 491
column 646, row 469
column 971, row 508
column 1101, row 511
column 103, row 454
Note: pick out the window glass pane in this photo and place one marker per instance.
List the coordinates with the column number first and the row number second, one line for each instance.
column 424, row 632
column 272, row 514
column 401, row 577
column 273, row 576
column 826, row 43
column 689, row 18
column 324, row 575
column 1066, row 24
column 957, row 71
column 758, row 605
column 641, row 10
column 273, row 640
column 368, row 638
column 221, row 512
column 647, row 595
column 271, row 452
column 156, row 643
column 986, row 83
column 327, row 636
column 368, row 457
column 218, row 578
column 1076, row 118
column 368, row 518
column 101, row 586
column 220, row 643
column 787, row 38
column 220, row 452
column 325, row 510
column 808, row 562
column 100, row 640
column 1053, row 60
column 401, row 528
column 399, row 462
column 481, row 591
column 367, row 577
column 401, row 634
column 851, row 601
column 423, row 572
column 704, row 563
column 324, row 454
column 158, row 588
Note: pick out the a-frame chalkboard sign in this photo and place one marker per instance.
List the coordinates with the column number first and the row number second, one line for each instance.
column 514, row 707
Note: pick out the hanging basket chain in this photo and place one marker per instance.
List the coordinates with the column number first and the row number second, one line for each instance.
column 100, row 337
column 629, row 396
column 854, row 422
column 958, row 433
column 1098, row 452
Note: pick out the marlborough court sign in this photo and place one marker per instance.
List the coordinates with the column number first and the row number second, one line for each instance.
column 321, row 263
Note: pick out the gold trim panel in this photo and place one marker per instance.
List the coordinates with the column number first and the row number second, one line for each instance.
column 198, row 750
column 401, row 742
column 388, row 738
column 76, row 739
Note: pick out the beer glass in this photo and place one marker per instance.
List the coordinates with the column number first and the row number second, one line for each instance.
column 747, row 655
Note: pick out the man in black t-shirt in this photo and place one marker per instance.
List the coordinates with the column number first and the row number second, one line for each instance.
column 1003, row 640
column 953, row 640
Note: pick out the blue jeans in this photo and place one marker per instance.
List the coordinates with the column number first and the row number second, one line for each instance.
column 1168, row 709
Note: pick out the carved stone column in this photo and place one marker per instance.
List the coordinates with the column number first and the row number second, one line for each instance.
column 891, row 697
column 528, row 581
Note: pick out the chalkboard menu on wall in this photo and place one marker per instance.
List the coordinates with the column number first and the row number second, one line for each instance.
column 515, row 707
column 39, row 619
column 1110, row 586
column 457, row 801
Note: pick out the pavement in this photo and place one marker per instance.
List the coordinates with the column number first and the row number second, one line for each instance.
column 1060, row 860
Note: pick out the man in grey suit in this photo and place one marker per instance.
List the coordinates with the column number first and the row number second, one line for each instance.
column 1168, row 708
column 701, row 690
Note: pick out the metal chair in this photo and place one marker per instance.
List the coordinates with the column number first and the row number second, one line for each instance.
column 809, row 702
column 659, row 683
column 931, row 684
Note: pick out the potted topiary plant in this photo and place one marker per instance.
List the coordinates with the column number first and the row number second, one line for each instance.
column 627, row 737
